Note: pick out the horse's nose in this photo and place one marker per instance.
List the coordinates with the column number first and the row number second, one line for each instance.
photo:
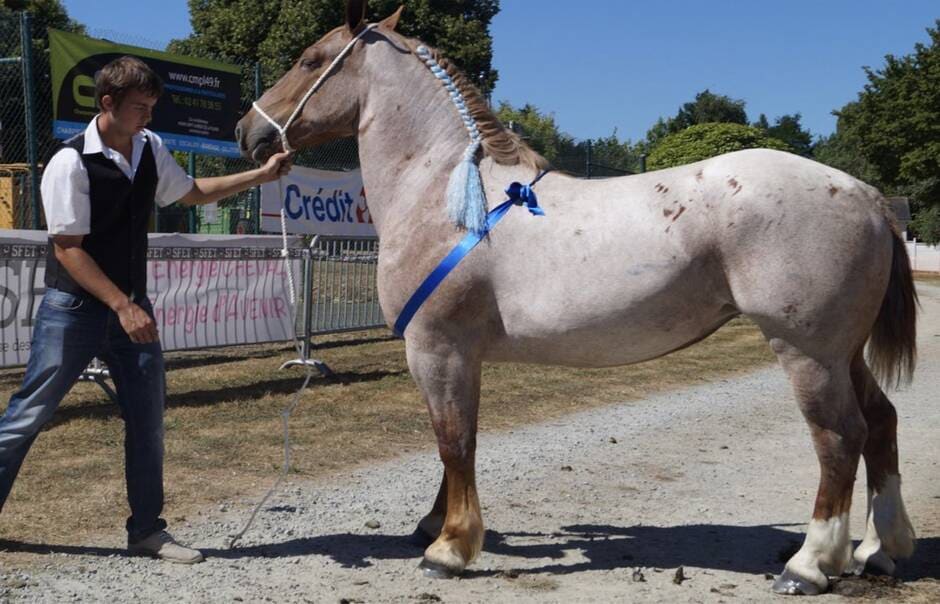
column 238, row 134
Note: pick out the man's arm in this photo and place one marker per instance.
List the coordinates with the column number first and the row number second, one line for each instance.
column 207, row 190
column 85, row 271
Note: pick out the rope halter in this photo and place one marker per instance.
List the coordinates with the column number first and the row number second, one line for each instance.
column 282, row 130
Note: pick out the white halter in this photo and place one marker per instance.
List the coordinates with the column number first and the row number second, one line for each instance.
column 282, row 130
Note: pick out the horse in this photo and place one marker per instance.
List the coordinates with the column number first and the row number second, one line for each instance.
column 618, row 271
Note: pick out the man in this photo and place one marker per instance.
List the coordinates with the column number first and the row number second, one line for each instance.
column 98, row 193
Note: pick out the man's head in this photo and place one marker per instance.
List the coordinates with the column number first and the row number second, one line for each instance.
column 122, row 75
column 127, row 89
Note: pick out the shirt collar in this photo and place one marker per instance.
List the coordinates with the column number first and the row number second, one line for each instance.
column 94, row 144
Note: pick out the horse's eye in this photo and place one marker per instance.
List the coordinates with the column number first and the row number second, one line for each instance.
column 309, row 64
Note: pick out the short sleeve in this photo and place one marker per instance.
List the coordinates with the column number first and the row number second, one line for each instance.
column 65, row 194
column 172, row 181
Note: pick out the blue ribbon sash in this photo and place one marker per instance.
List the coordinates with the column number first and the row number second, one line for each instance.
column 518, row 194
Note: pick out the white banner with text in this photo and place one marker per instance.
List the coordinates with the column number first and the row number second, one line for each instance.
column 206, row 290
column 317, row 202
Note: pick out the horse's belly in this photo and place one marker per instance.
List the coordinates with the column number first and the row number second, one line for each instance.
column 601, row 333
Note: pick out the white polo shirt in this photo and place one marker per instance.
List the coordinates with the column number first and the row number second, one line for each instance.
column 65, row 188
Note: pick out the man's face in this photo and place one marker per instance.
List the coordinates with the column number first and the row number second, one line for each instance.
column 133, row 113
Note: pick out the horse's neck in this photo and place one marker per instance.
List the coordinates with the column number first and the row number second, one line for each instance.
column 410, row 138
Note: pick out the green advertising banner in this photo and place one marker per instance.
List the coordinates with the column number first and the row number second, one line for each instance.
column 197, row 112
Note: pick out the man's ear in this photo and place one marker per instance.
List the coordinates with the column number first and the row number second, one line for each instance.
column 390, row 23
column 355, row 15
column 107, row 103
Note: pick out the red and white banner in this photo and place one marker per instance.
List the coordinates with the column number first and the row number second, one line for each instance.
column 206, row 290
column 317, row 202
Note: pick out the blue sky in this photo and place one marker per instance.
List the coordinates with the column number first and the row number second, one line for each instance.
column 600, row 65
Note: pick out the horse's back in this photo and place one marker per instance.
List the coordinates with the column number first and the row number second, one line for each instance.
column 627, row 269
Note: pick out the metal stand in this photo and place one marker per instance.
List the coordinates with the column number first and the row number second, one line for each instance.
column 307, row 328
column 99, row 374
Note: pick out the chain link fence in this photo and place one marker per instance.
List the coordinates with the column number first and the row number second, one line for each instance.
column 587, row 160
column 26, row 141
column 15, row 182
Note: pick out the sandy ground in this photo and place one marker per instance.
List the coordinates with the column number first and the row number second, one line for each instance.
column 718, row 480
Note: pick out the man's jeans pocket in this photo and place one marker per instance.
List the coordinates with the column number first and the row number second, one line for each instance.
column 63, row 300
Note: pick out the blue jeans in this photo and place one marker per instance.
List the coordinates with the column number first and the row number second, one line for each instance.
column 69, row 331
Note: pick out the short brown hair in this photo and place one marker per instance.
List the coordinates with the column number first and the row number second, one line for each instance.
column 124, row 74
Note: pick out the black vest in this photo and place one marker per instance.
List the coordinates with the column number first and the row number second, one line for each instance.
column 120, row 215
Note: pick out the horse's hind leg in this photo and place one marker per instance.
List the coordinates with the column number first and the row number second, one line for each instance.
column 889, row 534
column 824, row 392
column 449, row 377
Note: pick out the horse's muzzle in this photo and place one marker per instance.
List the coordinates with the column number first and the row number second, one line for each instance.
column 257, row 143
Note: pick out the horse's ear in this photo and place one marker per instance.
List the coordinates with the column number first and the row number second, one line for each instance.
column 355, row 14
column 391, row 22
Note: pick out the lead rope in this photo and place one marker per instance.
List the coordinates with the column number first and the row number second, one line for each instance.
column 285, row 253
column 286, row 413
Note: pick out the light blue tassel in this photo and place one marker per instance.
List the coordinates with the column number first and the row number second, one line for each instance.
column 466, row 201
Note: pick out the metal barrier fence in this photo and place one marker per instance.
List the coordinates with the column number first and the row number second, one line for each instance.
column 211, row 291
column 339, row 292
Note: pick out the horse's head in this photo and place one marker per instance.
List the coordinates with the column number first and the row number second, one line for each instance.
column 331, row 111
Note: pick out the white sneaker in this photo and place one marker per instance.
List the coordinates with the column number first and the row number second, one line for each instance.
column 162, row 545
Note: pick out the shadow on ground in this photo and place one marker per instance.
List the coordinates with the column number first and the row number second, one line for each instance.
column 745, row 549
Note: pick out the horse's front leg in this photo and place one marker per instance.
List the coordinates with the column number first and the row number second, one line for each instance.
column 429, row 528
column 449, row 377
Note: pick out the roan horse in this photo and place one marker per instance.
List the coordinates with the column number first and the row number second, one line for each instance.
column 620, row 270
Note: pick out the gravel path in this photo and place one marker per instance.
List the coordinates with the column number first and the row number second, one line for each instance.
column 718, row 479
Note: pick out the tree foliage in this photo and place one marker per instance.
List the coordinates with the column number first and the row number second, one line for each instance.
column 537, row 129
column 708, row 140
column 706, row 108
column 275, row 33
column 895, row 125
column 890, row 135
column 841, row 151
column 787, row 128
column 45, row 13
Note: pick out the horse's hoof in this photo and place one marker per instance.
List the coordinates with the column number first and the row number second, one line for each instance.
column 791, row 584
column 435, row 570
column 878, row 565
column 420, row 538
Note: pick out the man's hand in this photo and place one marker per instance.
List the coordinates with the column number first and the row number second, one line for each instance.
column 278, row 165
column 213, row 188
column 137, row 323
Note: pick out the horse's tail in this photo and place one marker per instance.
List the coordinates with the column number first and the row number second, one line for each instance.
column 892, row 344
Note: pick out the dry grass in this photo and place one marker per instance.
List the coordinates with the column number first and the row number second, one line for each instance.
column 932, row 278
column 224, row 437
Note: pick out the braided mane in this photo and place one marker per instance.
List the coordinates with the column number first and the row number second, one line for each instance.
column 503, row 145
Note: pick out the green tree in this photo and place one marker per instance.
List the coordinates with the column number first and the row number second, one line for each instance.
column 895, row 123
column 841, row 151
column 788, row 129
column 537, row 129
column 707, row 108
column 762, row 123
column 45, row 13
column 708, row 140
column 275, row 33
column 611, row 152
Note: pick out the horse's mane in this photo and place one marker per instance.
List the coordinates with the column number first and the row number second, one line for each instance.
column 500, row 143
